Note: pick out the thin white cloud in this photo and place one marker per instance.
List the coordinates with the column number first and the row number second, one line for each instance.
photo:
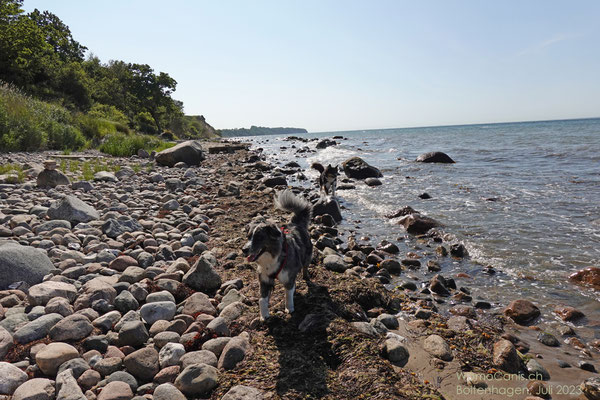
column 561, row 37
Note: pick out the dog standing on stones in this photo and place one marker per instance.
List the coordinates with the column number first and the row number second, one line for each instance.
column 327, row 179
column 281, row 252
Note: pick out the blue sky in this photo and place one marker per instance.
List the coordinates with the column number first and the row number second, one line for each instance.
column 329, row 65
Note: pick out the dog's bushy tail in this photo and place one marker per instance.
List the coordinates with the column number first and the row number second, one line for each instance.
column 318, row 167
column 302, row 209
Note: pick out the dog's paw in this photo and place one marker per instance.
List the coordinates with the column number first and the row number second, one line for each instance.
column 289, row 310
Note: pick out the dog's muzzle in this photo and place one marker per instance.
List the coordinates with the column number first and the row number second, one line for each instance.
column 250, row 256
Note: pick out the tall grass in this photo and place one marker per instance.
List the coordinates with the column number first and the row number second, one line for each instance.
column 14, row 170
column 27, row 124
column 121, row 145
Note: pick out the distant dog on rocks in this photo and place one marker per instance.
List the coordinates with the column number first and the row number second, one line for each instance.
column 327, row 179
column 281, row 252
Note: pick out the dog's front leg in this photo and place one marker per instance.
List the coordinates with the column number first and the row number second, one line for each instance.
column 263, row 303
column 289, row 298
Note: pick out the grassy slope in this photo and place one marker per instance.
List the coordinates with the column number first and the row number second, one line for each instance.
column 28, row 124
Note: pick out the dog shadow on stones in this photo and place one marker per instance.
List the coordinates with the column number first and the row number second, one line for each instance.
column 305, row 354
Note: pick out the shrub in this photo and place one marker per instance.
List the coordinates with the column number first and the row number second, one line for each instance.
column 110, row 113
column 27, row 124
column 64, row 136
column 95, row 128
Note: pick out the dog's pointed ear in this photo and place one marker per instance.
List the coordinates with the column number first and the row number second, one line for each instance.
column 273, row 231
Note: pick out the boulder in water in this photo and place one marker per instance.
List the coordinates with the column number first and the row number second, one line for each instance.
column 357, row 168
column 328, row 206
column 435, row 157
column 189, row 152
column 418, row 224
column 588, row 276
column 522, row 311
column 22, row 263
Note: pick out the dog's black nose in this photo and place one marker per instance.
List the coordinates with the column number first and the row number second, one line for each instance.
column 246, row 249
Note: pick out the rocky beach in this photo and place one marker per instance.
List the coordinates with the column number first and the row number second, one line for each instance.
column 123, row 278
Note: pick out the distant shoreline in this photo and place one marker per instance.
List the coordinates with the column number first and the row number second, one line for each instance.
column 457, row 125
column 261, row 130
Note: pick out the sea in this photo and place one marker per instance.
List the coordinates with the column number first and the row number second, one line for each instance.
column 523, row 198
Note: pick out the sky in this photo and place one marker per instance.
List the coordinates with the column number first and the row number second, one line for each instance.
column 329, row 65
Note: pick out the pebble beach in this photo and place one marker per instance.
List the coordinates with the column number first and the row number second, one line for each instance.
column 128, row 282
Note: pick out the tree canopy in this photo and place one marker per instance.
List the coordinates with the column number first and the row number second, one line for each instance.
column 39, row 55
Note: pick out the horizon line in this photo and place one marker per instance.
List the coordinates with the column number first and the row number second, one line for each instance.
column 455, row 125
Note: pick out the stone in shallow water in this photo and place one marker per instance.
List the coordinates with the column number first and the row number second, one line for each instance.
column 437, row 347
column 522, row 311
column 548, row 339
column 435, row 157
column 357, row 168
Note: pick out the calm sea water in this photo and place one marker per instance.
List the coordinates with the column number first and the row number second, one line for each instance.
column 522, row 197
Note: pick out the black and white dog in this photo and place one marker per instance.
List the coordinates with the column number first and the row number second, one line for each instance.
column 281, row 252
column 327, row 179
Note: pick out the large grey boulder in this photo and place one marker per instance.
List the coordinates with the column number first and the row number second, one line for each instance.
column 328, row 206
column 40, row 294
column 11, row 378
column 36, row 329
column 235, row 351
column 67, row 387
column 202, row 276
column 35, row 389
column 197, row 379
column 189, row 152
column 51, row 178
column 357, row 168
column 115, row 227
column 71, row 209
column 22, row 263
